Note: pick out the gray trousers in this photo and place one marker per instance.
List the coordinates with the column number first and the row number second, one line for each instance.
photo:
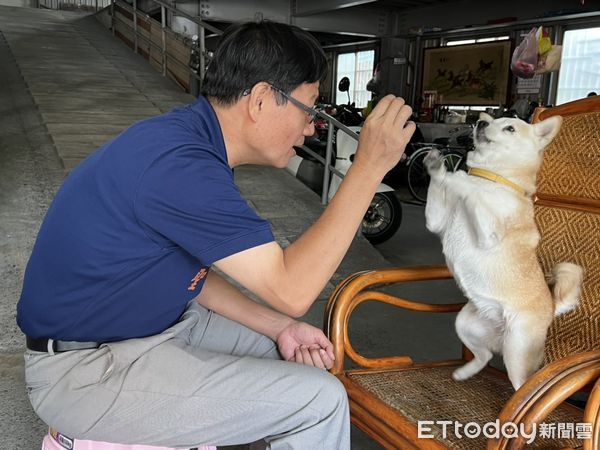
column 206, row 380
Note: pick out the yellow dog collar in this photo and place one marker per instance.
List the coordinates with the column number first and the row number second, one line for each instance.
column 482, row 173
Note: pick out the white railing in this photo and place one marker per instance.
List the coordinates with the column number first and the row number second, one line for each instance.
column 332, row 124
column 74, row 5
column 177, row 56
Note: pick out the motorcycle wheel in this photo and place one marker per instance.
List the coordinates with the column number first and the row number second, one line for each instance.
column 383, row 218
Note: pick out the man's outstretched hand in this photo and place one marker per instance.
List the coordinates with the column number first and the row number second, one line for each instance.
column 302, row 343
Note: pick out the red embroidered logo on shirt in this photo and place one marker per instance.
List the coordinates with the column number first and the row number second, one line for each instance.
column 194, row 282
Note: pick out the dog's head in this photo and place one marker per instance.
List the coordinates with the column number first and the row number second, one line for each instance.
column 512, row 143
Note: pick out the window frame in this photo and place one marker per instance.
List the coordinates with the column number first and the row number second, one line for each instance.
column 560, row 36
column 335, row 81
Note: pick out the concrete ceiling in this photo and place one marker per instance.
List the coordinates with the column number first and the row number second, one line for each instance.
column 309, row 7
column 339, row 21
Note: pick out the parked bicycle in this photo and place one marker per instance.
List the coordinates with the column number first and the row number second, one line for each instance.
column 454, row 152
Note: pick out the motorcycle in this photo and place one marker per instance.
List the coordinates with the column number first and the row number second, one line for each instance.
column 384, row 215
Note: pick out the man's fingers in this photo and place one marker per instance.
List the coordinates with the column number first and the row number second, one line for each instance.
column 402, row 116
column 393, row 111
column 396, row 116
column 326, row 344
column 306, row 356
column 316, row 358
column 326, row 358
column 330, row 354
column 313, row 355
column 298, row 356
column 382, row 106
column 409, row 129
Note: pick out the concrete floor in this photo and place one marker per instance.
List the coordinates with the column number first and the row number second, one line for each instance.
column 66, row 86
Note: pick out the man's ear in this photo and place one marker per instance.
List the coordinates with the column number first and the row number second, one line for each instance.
column 547, row 129
column 256, row 99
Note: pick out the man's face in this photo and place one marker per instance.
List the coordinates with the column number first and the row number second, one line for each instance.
column 285, row 126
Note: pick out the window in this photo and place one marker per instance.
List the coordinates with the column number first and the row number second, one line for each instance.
column 580, row 66
column 358, row 67
column 475, row 41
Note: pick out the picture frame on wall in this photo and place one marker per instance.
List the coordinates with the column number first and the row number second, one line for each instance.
column 473, row 74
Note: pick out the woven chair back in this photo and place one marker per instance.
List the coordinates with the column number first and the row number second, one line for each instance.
column 568, row 216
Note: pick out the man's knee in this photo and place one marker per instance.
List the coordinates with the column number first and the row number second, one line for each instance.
column 331, row 396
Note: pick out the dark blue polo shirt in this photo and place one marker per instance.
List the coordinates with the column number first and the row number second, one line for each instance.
column 133, row 230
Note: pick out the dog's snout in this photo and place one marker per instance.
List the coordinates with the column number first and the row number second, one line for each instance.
column 482, row 124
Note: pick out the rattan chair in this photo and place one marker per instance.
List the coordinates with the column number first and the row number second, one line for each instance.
column 388, row 396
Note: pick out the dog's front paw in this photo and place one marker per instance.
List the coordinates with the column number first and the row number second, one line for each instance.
column 434, row 162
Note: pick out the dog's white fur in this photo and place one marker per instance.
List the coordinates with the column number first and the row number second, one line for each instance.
column 489, row 239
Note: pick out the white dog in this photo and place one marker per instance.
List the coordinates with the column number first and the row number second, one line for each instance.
column 489, row 237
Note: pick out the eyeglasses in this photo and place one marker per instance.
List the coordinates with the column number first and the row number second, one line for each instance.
column 310, row 112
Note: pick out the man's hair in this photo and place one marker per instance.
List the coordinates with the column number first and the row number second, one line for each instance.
column 248, row 53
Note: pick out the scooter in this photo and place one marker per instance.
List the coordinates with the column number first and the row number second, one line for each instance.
column 384, row 215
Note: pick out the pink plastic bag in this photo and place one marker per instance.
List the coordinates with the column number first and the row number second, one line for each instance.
column 50, row 443
column 525, row 57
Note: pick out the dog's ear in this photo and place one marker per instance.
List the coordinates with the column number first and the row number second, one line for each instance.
column 547, row 129
column 485, row 117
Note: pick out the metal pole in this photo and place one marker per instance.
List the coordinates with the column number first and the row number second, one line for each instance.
column 163, row 23
column 416, row 85
column 202, row 54
column 557, row 35
column 326, row 174
column 135, row 35
column 112, row 16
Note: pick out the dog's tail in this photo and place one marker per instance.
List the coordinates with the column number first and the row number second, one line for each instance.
column 565, row 283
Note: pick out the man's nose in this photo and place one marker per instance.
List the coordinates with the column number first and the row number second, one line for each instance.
column 309, row 129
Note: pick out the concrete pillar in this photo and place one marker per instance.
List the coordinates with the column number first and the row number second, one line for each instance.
column 393, row 63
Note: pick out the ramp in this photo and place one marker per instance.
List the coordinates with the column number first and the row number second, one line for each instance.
column 66, row 87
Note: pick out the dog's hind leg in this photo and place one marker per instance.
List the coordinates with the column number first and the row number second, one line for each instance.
column 481, row 334
column 523, row 347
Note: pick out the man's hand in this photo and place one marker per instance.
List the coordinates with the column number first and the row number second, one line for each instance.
column 305, row 344
column 385, row 134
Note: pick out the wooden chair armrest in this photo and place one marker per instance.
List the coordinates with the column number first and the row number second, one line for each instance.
column 592, row 415
column 354, row 290
column 546, row 390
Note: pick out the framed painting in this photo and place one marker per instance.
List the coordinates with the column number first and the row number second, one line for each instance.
column 475, row 74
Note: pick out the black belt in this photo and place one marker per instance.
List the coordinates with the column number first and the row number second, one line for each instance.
column 55, row 346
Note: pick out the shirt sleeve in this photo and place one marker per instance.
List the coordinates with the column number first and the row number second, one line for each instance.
column 190, row 200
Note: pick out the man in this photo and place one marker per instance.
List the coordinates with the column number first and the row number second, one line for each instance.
column 117, row 349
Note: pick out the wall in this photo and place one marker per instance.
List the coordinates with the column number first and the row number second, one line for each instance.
column 409, row 86
column 19, row 3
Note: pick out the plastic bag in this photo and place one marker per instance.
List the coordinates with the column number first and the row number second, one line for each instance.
column 549, row 61
column 543, row 40
column 525, row 57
